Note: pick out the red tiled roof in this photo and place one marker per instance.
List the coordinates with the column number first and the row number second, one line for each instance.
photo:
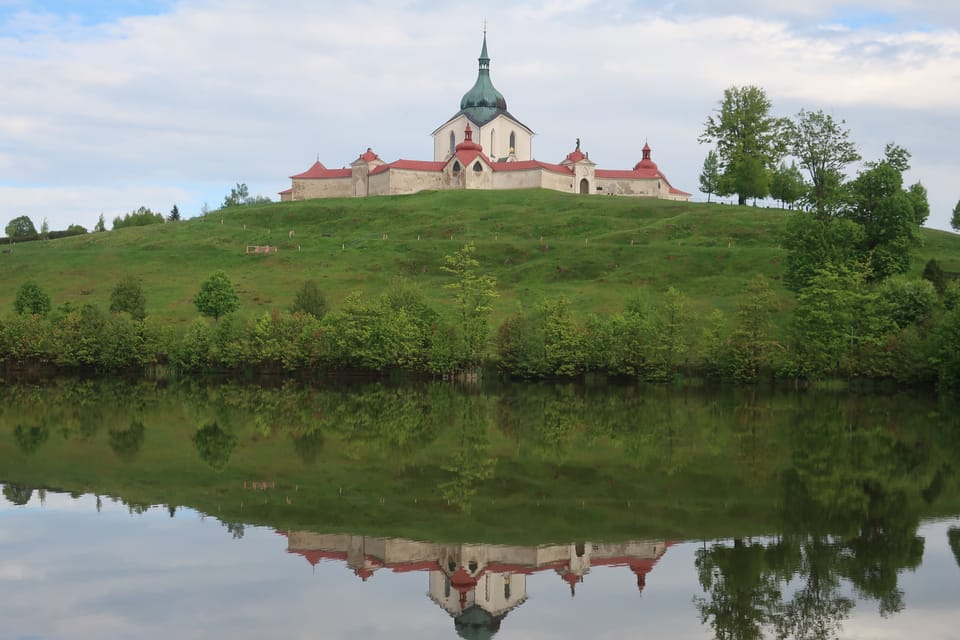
column 369, row 155
column 320, row 171
column 410, row 165
column 526, row 165
column 285, row 192
column 574, row 156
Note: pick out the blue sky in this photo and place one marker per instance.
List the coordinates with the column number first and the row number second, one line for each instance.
column 109, row 106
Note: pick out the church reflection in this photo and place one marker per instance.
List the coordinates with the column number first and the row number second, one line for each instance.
column 477, row 584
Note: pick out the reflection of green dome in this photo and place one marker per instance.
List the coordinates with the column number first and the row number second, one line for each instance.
column 483, row 102
column 476, row 623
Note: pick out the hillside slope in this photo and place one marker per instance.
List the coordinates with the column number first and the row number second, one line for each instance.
column 597, row 251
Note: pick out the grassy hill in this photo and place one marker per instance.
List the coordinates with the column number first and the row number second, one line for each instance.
column 597, row 251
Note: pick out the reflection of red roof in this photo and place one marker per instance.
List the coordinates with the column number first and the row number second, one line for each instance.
column 320, row 171
column 363, row 573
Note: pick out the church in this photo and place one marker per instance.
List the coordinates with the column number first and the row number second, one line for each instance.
column 482, row 146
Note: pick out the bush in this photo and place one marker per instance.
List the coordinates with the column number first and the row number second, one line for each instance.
column 309, row 299
column 127, row 296
column 31, row 299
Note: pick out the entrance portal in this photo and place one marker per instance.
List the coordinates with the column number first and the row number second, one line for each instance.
column 584, row 186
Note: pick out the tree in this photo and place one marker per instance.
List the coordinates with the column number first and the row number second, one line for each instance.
column 31, row 299
column 710, row 176
column 238, row 195
column 824, row 150
column 217, row 296
column 955, row 218
column 748, row 141
column 44, row 228
column 139, row 218
column 21, row 227
column 309, row 299
column 891, row 216
column 174, row 214
column 813, row 244
column 474, row 293
column 786, row 184
column 128, row 296
column 101, row 224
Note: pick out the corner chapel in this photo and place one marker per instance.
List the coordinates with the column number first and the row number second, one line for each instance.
column 482, row 146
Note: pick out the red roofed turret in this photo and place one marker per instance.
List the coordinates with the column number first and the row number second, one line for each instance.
column 646, row 162
column 369, row 155
column 468, row 144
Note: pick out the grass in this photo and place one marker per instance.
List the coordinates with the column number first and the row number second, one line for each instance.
column 597, row 251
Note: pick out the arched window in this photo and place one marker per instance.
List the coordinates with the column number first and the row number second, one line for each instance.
column 477, row 166
column 453, row 143
column 456, row 166
column 513, row 141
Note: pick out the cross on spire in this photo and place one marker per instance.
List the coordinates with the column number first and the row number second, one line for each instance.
column 484, row 26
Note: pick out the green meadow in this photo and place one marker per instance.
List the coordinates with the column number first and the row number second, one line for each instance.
column 596, row 251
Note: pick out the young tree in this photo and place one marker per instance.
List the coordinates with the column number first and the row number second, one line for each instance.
column 44, row 228
column 710, row 175
column 824, row 150
column 217, row 296
column 128, row 296
column 21, row 227
column 786, row 184
column 238, row 195
column 955, row 218
column 31, row 299
column 101, row 224
column 174, row 214
column 310, row 299
column 891, row 216
column 474, row 293
column 748, row 141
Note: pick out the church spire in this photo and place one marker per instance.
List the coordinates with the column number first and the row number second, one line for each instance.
column 484, row 58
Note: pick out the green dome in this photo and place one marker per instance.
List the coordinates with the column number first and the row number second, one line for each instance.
column 483, row 102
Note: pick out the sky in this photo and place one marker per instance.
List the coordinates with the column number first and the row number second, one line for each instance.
column 109, row 106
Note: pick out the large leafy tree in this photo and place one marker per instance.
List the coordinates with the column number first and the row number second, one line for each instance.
column 955, row 218
column 710, row 175
column 21, row 227
column 217, row 296
column 748, row 140
column 891, row 216
column 824, row 150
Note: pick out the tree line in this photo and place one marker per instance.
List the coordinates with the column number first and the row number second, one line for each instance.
column 842, row 325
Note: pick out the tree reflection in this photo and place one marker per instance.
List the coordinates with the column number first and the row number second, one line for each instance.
column 471, row 463
column 17, row 494
column 953, row 537
column 29, row 439
column 126, row 443
column 215, row 445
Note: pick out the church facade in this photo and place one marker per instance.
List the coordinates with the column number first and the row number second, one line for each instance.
column 482, row 146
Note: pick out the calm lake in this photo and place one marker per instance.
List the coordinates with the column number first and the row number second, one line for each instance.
column 211, row 510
